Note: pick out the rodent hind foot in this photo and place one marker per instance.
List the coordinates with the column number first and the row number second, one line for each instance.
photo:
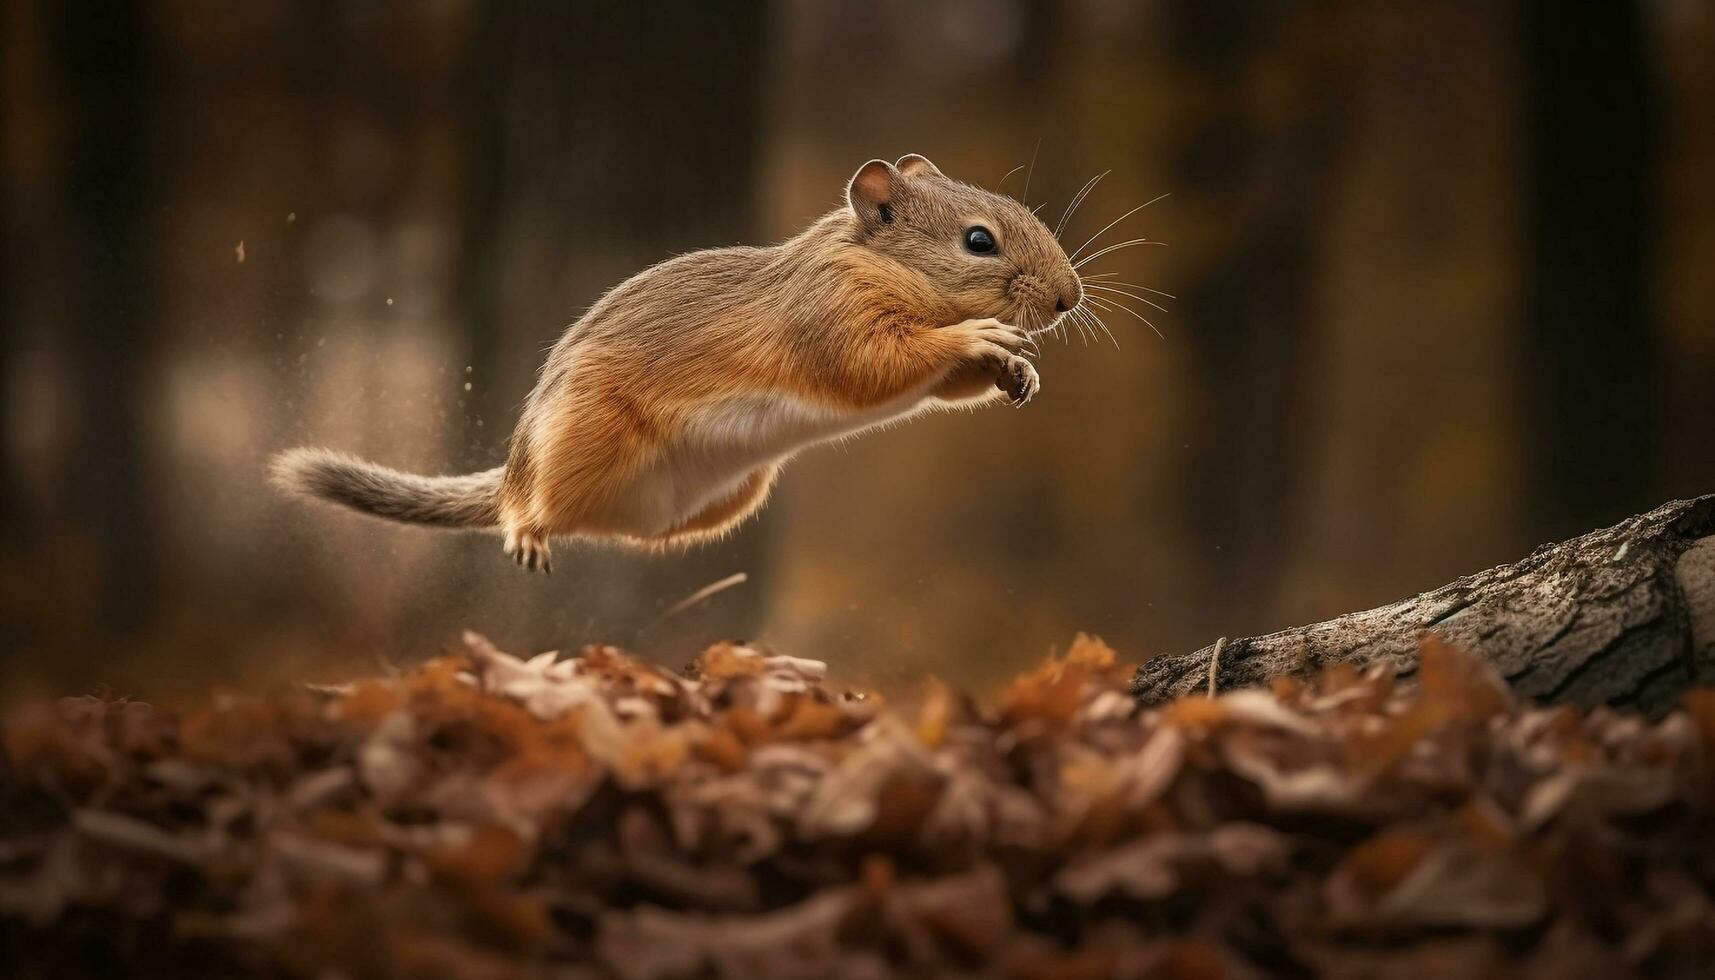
column 529, row 549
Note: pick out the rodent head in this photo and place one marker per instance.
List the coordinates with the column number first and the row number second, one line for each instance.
column 986, row 254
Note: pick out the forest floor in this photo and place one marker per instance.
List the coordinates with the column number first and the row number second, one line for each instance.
column 487, row 816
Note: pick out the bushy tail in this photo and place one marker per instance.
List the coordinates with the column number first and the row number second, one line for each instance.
column 440, row 501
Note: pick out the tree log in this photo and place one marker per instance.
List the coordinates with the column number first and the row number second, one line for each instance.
column 1623, row 616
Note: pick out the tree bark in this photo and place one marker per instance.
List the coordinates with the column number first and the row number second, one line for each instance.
column 1623, row 616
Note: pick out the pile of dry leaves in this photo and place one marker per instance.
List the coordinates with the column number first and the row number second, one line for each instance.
column 486, row 816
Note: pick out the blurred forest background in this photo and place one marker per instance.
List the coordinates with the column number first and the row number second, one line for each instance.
column 1445, row 280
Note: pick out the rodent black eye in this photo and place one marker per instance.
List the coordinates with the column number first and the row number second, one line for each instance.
column 979, row 240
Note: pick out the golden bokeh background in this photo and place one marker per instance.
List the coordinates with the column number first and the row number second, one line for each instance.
column 1442, row 275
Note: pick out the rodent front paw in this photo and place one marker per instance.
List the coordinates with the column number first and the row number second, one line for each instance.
column 1019, row 380
column 1012, row 339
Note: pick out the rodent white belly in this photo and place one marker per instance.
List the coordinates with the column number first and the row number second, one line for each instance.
column 732, row 438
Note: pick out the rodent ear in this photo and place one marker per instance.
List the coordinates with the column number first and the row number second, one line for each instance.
column 912, row 165
column 871, row 192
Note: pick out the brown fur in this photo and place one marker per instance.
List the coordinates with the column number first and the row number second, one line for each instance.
column 875, row 306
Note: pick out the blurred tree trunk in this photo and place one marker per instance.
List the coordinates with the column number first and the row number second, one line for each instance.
column 103, row 48
column 1589, row 335
column 16, row 22
column 1265, row 171
column 635, row 125
column 484, row 83
column 618, row 135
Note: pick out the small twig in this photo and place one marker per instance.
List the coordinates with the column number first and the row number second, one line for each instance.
column 736, row 578
column 1215, row 663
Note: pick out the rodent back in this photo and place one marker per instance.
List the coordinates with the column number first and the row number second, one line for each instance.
column 901, row 248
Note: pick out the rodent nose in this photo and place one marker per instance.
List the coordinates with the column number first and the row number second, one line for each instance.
column 1069, row 299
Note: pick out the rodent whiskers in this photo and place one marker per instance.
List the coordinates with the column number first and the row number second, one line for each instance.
column 1092, row 304
column 1077, row 199
column 1087, row 315
column 1114, row 248
column 1109, row 305
column 1084, row 320
column 1031, row 171
column 1073, row 258
column 1110, row 288
column 1021, row 198
column 1111, row 281
column 1113, row 295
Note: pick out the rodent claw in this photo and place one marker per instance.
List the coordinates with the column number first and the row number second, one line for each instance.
column 530, row 551
column 1019, row 380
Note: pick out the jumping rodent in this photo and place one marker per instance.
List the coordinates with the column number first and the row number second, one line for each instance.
column 663, row 415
